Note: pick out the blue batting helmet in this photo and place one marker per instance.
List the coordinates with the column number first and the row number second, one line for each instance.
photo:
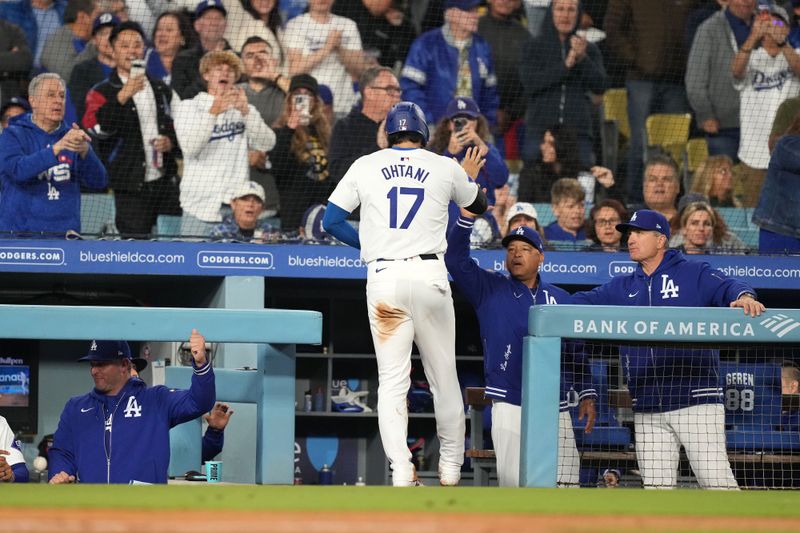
column 407, row 116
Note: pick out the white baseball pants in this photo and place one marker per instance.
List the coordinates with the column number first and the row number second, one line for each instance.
column 506, row 428
column 410, row 301
column 701, row 431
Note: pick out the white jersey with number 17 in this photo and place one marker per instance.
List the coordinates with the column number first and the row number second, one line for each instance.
column 403, row 194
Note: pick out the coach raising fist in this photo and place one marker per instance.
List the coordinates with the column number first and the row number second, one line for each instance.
column 119, row 432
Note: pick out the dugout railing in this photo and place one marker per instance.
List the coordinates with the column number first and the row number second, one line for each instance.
column 549, row 325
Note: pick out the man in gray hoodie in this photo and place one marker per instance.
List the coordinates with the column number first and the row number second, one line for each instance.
column 709, row 83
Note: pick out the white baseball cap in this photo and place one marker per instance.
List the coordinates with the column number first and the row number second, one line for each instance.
column 521, row 208
column 249, row 188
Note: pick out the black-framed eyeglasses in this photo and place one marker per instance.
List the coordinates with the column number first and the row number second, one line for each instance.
column 390, row 89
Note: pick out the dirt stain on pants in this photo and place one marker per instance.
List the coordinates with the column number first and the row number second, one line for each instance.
column 387, row 320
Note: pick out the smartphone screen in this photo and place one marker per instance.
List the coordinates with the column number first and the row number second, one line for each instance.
column 137, row 68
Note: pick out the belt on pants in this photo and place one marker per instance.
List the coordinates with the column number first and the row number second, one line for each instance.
column 424, row 257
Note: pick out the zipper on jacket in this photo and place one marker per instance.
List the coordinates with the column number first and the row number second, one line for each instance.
column 110, row 436
column 652, row 352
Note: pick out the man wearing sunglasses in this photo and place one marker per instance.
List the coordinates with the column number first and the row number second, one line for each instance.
column 361, row 132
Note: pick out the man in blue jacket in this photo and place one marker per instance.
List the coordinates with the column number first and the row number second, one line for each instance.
column 42, row 164
column 502, row 303
column 451, row 61
column 119, row 432
column 676, row 392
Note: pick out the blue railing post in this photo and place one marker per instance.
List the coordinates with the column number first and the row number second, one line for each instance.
column 540, row 391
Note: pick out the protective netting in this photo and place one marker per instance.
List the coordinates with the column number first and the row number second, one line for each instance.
column 587, row 112
column 679, row 414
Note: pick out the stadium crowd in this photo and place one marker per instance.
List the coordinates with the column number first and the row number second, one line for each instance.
column 185, row 103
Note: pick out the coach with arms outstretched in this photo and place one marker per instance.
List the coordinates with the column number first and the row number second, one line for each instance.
column 119, row 432
column 677, row 397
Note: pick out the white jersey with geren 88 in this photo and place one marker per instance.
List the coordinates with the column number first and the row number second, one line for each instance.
column 403, row 194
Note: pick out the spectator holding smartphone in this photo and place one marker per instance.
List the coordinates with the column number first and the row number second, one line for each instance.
column 216, row 130
column 764, row 60
column 462, row 127
column 130, row 114
column 300, row 157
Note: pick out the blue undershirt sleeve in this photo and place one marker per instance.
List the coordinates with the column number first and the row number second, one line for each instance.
column 335, row 223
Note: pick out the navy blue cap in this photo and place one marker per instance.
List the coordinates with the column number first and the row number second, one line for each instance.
column 15, row 101
column 205, row 5
column 647, row 220
column 462, row 105
column 464, row 5
column 107, row 351
column 524, row 233
column 102, row 20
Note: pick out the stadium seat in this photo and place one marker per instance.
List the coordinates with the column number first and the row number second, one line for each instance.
column 168, row 226
column 615, row 108
column 670, row 131
column 97, row 214
column 737, row 217
column 753, row 409
column 696, row 153
column 615, row 129
column 545, row 212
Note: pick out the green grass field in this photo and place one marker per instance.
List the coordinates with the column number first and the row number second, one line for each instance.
column 432, row 499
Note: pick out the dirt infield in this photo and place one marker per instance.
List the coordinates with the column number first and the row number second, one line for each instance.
column 124, row 521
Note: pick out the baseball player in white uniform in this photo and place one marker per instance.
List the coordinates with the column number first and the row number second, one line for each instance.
column 404, row 192
column 12, row 463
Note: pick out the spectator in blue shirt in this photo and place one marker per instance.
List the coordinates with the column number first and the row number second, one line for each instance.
column 567, row 198
column 451, row 61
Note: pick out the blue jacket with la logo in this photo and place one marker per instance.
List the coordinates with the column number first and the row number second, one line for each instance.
column 123, row 439
column 666, row 378
column 41, row 191
column 502, row 305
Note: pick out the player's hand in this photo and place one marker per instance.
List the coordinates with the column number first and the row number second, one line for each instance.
column 131, row 87
column 334, row 40
column 473, row 162
column 587, row 410
column 751, row 306
column 75, row 140
column 163, row 144
column 62, row 477
column 381, row 140
column 6, row 472
column 197, row 343
column 578, row 45
column 223, row 101
column 603, row 175
column 710, row 126
column 219, row 416
column 758, row 30
column 257, row 158
column 240, row 101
